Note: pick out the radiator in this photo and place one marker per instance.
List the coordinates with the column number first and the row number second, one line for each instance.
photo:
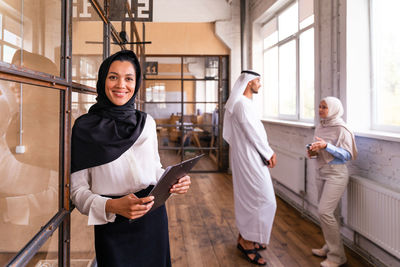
column 374, row 212
column 289, row 170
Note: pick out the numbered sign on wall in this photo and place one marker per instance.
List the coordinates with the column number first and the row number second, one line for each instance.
column 151, row 68
column 120, row 10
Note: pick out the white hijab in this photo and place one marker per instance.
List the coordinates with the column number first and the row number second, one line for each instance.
column 238, row 89
column 334, row 130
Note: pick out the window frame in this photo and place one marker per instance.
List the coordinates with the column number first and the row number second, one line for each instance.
column 296, row 37
column 374, row 124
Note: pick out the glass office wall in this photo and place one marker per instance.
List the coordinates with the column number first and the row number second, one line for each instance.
column 29, row 163
column 30, row 42
column 42, row 60
column 33, row 28
column 183, row 94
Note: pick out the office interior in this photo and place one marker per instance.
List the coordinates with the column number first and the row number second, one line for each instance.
column 191, row 53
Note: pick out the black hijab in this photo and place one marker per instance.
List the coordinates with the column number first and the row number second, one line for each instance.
column 107, row 130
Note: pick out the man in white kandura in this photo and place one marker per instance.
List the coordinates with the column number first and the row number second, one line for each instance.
column 250, row 155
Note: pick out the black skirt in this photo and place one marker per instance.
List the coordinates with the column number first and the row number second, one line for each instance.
column 141, row 242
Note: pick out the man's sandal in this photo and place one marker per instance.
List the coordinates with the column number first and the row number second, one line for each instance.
column 251, row 251
column 259, row 246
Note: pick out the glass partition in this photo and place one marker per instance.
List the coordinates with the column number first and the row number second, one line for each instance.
column 82, row 240
column 82, row 237
column 81, row 103
column 48, row 253
column 34, row 141
column 163, row 90
column 165, row 113
column 29, row 27
column 87, row 48
column 29, row 162
column 163, row 68
column 185, row 104
column 85, row 69
column 201, row 68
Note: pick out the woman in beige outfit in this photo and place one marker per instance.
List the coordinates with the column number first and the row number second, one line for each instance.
column 335, row 145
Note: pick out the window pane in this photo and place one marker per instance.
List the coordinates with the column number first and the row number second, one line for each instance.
column 194, row 67
column 162, row 111
column 87, row 44
column 48, row 253
column 8, row 53
column 306, row 11
column 29, row 27
column 81, row 103
column 270, row 33
column 85, row 69
column 204, row 91
column 288, row 22
column 287, row 78
column 163, row 67
column 163, row 90
column 386, row 60
column 271, row 40
column 271, row 82
column 82, row 240
column 29, row 179
column 306, row 22
column 307, row 74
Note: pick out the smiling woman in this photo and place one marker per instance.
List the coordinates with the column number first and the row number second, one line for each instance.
column 120, row 82
column 115, row 164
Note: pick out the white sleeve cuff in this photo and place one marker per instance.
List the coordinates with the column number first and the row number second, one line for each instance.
column 97, row 212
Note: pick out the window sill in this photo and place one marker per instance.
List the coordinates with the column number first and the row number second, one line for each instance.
column 298, row 124
column 393, row 137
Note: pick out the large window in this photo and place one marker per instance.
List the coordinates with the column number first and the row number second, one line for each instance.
column 385, row 43
column 372, row 67
column 289, row 63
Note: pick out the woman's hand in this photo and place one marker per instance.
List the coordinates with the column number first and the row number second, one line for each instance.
column 130, row 206
column 320, row 144
column 182, row 186
column 272, row 161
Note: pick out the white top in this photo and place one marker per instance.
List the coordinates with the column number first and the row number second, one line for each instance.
column 133, row 171
column 253, row 192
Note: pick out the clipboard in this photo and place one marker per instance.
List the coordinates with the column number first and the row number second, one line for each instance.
column 171, row 175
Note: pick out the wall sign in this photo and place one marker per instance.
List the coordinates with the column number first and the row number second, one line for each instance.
column 151, row 68
column 142, row 10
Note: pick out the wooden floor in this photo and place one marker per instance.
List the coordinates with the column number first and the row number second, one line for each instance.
column 203, row 232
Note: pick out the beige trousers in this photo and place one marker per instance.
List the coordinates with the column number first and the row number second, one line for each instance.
column 331, row 184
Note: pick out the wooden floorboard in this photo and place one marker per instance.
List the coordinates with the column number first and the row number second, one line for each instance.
column 203, row 231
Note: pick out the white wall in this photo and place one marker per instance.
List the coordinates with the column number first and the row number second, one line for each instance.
column 378, row 160
column 229, row 32
column 191, row 10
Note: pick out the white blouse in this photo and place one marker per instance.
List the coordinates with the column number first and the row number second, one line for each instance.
column 134, row 170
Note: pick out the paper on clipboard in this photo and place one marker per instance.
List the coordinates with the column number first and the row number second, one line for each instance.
column 171, row 175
